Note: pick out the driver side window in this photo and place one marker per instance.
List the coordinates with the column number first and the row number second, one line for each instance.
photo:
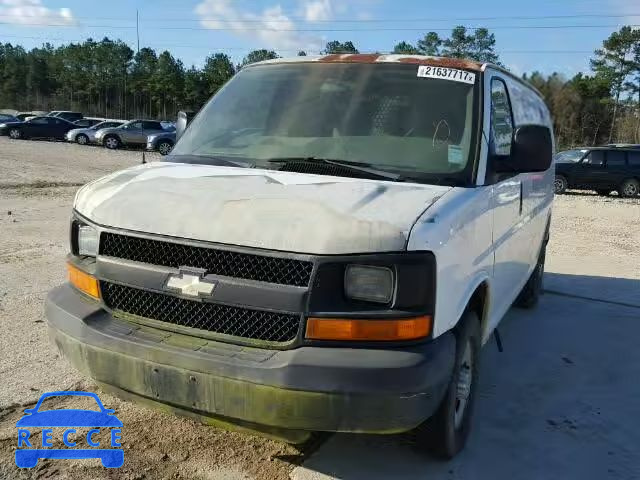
column 501, row 119
column 596, row 157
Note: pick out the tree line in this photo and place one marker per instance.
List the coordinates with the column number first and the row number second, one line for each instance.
column 106, row 78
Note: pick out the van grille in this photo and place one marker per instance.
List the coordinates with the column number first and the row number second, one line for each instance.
column 283, row 271
column 223, row 319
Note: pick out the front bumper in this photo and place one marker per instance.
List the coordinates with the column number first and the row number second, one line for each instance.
column 386, row 390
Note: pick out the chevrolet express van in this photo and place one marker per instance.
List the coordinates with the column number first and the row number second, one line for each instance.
column 326, row 248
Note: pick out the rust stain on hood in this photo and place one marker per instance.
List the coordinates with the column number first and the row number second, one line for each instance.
column 259, row 208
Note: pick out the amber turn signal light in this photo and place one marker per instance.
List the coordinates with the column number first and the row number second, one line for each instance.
column 83, row 281
column 368, row 330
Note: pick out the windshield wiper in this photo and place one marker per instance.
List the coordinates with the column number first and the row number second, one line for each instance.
column 354, row 166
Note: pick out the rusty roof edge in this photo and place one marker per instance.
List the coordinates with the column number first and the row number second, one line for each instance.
column 378, row 58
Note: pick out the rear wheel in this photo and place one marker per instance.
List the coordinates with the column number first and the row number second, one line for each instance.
column 603, row 193
column 112, row 143
column 560, row 184
column 82, row 139
column 165, row 147
column 630, row 188
column 445, row 434
column 15, row 133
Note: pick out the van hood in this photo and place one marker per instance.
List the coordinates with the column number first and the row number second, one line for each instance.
column 267, row 209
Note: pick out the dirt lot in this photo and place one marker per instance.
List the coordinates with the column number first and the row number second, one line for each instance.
column 594, row 277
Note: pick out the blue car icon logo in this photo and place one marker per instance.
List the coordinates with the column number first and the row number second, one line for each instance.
column 30, row 451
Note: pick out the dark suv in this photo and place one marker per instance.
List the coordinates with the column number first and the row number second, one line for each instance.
column 603, row 169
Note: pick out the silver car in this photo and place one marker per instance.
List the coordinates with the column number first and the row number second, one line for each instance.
column 133, row 133
column 85, row 136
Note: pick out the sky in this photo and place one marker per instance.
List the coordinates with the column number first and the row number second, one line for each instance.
column 193, row 29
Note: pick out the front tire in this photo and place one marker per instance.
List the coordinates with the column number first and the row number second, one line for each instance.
column 560, row 184
column 165, row 147
column 82, row 139
column 630, row 188
column 446, row 432
column 15, row 134
column 112, row 143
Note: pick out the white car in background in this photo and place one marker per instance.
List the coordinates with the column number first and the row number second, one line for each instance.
column 85, row 136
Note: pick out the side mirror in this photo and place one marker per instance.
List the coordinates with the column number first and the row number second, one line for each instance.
column 184, row 118
column 531, row 151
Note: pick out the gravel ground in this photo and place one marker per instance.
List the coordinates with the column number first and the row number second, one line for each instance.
column 591, row 237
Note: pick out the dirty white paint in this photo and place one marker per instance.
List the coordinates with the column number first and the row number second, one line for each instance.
column 259, row 208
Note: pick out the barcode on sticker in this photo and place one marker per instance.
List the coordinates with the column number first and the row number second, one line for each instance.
column 444, row 73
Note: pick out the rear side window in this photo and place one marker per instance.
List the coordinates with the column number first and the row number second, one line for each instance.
column 634, row 159
column 596, row 157
column 501, row 118
column 616, row 159
column 152, row 126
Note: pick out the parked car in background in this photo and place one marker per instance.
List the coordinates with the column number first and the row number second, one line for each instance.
column 66, row 115
column 84, row 136
column 38, row 127
column 4, row 118
column 87, row 122
column 161, row 142
column 24, row 116
column 603, row 169
column 133, row 133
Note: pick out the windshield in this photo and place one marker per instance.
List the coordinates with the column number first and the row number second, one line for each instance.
column 570, row 156
column 382, row 115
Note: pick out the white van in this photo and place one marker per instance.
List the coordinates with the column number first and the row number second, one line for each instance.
column 327, row 247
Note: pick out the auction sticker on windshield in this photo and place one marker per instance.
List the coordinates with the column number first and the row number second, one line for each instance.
column 444, row 73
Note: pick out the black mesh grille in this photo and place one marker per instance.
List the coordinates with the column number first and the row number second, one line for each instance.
column 239, row 322
column 283, row 271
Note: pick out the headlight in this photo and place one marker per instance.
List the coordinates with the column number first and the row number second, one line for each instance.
column 87, row 241
column 3, row 125
column 372, row 284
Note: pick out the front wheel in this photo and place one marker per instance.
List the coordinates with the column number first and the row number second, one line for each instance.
column 560, row 184
column 112, row 143
column 445, row 434
column 82, row 139
column 630, row 188
column 15, row 133
column 165, row 147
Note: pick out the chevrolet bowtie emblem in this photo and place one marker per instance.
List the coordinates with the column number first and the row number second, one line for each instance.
column 189, row 284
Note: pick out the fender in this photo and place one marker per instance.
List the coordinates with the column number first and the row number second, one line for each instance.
column 478, row 279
